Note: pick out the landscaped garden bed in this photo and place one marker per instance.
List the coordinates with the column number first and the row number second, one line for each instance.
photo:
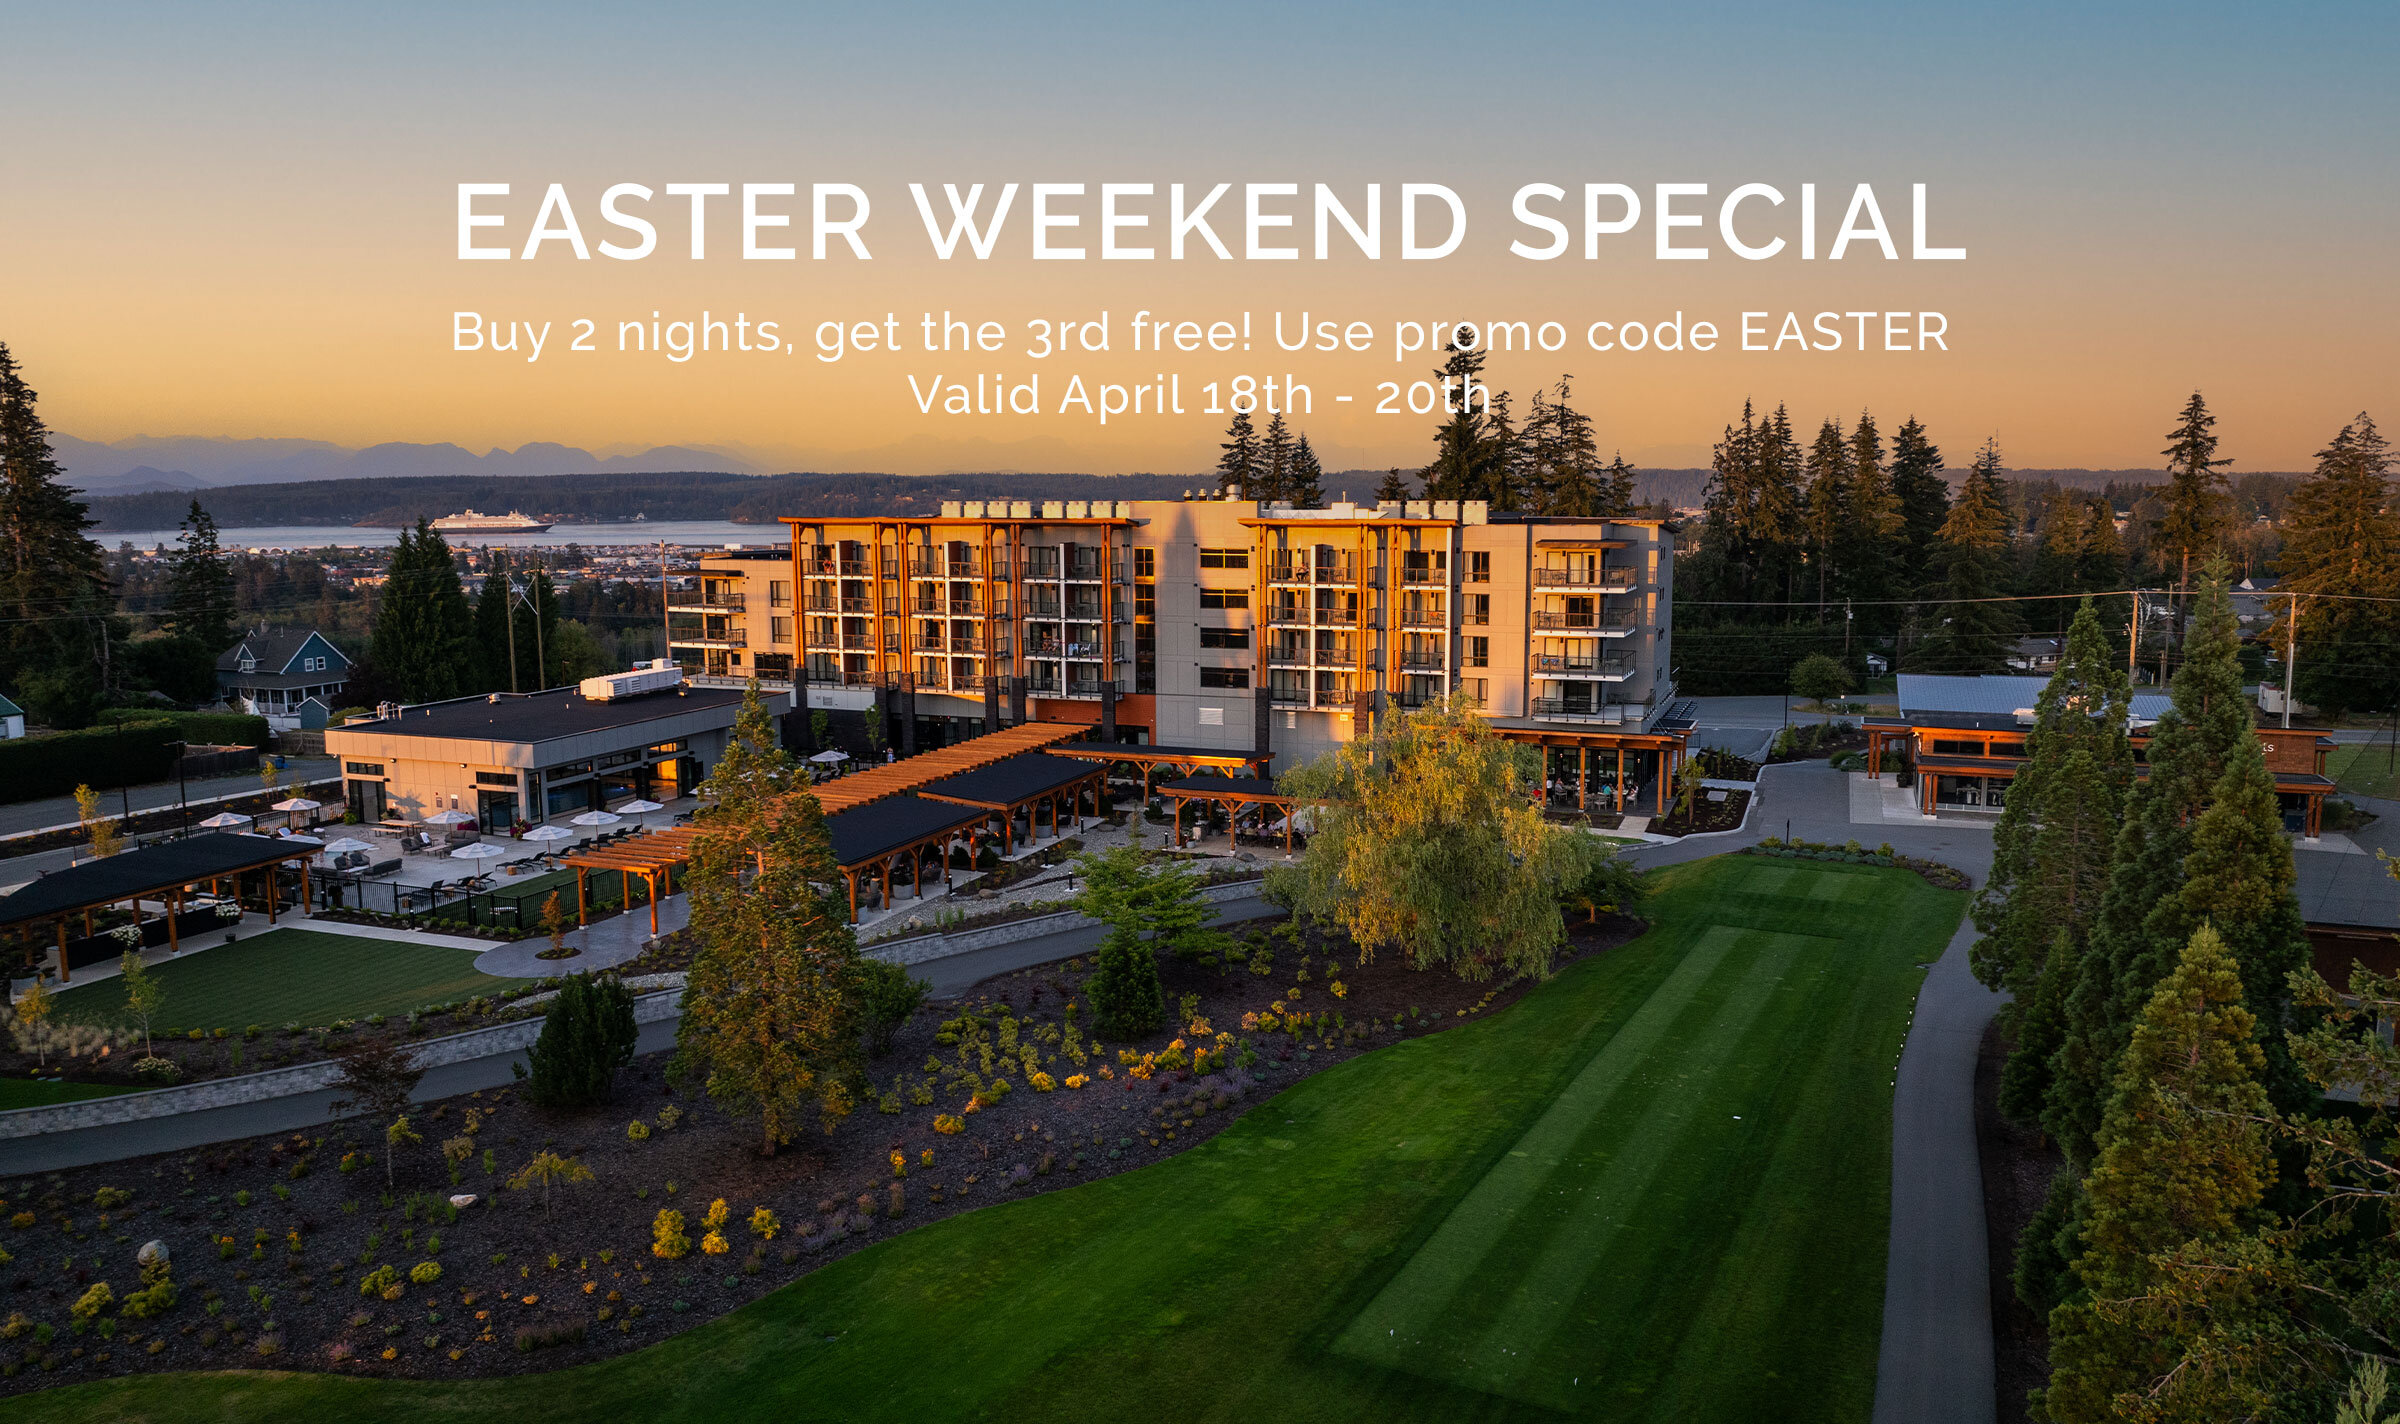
column 1852, row 853
column 1710, row 809
column 295, row 1252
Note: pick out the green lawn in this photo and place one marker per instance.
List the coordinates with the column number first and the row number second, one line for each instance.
column 292, row 976
column 2363, row 770
column 1656, row 1189
column 26, row 1093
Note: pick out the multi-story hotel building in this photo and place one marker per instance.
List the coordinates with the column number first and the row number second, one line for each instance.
column 1215, row 624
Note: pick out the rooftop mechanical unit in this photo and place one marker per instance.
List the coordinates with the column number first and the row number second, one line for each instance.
column 661, row 675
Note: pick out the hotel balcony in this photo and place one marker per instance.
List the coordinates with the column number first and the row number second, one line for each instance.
column 719, row 638
column 715, row 598
column 1415, row 572
column 1616, row 623
column 1341, row 570
column 1607, row 580
column 1424, row 618
column 945, row 568
column 1433, row 659
column 1583, row 668
column 1571, row 709
column 828, row 568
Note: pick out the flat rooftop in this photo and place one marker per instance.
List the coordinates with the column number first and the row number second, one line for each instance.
column 542, row 716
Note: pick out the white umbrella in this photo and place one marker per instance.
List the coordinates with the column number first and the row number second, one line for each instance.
column 830, row 757
column 346, row 845
column 640, row 808
column 548, row 833
column 297, row 803
column 289, row 838
column 224, row 820
column 449, row 818
column 478, row 850
column 598, row 818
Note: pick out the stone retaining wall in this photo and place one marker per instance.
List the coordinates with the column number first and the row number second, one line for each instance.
column 921, row 949
column 512, row 1037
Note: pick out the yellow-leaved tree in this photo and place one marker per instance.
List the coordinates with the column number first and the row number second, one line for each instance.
column 1429, row 841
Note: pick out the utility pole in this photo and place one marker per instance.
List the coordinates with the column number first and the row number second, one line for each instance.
column 508, row 600
column 2291, row 659
column 1847, row 616
column 2133, row 640
column 666, row 623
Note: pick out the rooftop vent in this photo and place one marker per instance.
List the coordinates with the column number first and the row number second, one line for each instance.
column 661, row 674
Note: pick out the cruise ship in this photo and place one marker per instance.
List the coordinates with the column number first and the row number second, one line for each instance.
column 471, row 522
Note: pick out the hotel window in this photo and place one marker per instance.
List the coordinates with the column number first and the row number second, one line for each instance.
column 1478, row 612
column 779, row 593
column 1224, row 677
column 779, row 630
column 1145, row 657
column 1479, row 567
column 1224, row 637
column 1145, row 563
column 1473, row 688
column 1224, row 558
column 1145, row 600
column 1951, row 746
column 1479, row 652
column 1224, row 598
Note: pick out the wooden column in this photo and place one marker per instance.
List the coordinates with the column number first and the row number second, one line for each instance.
column 852, row 877
column 1582, row 774
column 1620, row 778
column 270, row 894
column 62, row 951
column 650, row 883
column 174, row 909
column 583, row 914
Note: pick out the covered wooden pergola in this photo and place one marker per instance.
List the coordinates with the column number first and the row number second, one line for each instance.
column 1234, row 793
column 1597, row 746
column 163, row 872
column 1026, row 782
column 653, row 855
column 1189, row 761
column 868, row 839
column 845, row 793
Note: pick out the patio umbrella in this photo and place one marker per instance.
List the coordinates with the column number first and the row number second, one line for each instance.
column 449, row 818
column 288, row 835
column 346, row 845
column 225, row 820
column 829, row 757
column 478, row 850
column 598, row 818
column 548, row 833
column 640, row 808
column 297, row 803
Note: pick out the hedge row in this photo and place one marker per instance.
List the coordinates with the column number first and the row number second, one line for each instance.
column 224, row 729
column 128, row 754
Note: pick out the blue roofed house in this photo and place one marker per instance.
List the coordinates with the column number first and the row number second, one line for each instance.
column 292, row 677
column 12, row 719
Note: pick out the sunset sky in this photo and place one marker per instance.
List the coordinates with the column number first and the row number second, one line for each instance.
column 239, row 221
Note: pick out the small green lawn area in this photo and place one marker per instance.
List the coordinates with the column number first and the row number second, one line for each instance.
column 292, row 976
column 2363, row 770
column 1655, row 1189
column 26, row 1093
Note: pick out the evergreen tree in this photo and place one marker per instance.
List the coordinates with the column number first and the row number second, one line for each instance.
column 54, row 590
column 1237, row 468
column 200, row 608
column 1976, row 632
column 2058, row 545
column 1924, row 499
column 1827, row 506
column 2100, row 562
column 422, row 623
column 1505, row 465
column 754, row 769
column 2207, row 720
column 1306, row 487
column 1275, row 460
column 2198, row 509
column 771, row 1014
column 2341, row 551
column 1393, row 489
column 497, row 663
column 1565, row 479
column 1751, row 516
column 587, row 1039
column 2051, row 850
column 2182, row 1160
column 1149, row 904
column 1617, row 488
column 536, row 613
column 1871, row 551
column 1461, row 445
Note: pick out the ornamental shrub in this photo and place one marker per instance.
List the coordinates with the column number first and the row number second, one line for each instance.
column 714, row 1243
column 94, row 1302
column 637, row 1131
column 1127, row 1002
column 764, row 1224
column 888, row 994
column 587, row 1037
column 668, row 1242
column 379, row 1280
column 425, row 1273
column 947, row 1124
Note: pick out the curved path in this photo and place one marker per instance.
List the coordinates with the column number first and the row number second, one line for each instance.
column 1935, row 1364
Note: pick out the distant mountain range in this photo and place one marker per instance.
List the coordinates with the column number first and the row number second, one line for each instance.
column 146, row 463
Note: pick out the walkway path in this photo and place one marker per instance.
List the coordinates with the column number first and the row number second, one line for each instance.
column 1935, row 1365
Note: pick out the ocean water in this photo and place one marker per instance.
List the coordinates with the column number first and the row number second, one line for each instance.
column 707, row 534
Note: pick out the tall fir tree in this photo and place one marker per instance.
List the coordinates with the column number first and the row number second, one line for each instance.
column 1871, row 552
column 1392, row 488
column 498, row 665
column 420, row 646
column 1617, row 486
column 1275, row 460
column 2341, row 557
column 1976, row 630
column 538, row 647
column 2051, row 853
column 1827, row 507
column 1306, row 487
column 1237, row 467
column 2183, row 1162
column 200, row 606
column 1566, row 478
column 2198, row 508
column 54, row 590
column 1461, row 444
column 2206, row 722
column 1924, row 499
column 1506, row 463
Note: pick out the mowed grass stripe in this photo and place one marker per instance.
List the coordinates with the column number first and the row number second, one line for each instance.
column 1632, row 1180
column 1400, row 1319
column 306, row 977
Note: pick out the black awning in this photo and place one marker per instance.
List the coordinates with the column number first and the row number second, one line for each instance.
column 880, row 827
column 147, row 871
column 1232, row 788
column 1011, row 780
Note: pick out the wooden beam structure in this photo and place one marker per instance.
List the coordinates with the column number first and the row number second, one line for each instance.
column 876, row 782
column 1233, row 793
column 653, row 855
